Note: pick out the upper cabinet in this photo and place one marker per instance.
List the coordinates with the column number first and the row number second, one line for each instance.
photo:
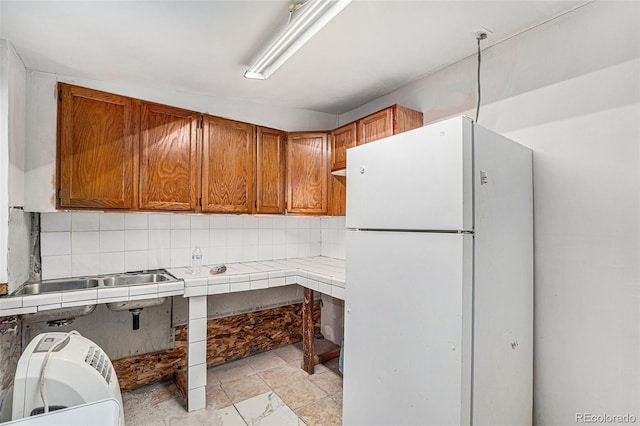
column 342, row 139
column 116, row 152
column 375, row 126
column 388, row 122
column 270, row 170
column 168, row 158
column 228, row 166
column 97, row 149
column 307, row 173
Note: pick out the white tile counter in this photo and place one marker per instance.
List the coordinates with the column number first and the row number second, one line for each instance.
column 322, row 274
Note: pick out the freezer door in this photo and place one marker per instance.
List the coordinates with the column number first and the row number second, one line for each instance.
column 407, row 339
column 418, row 180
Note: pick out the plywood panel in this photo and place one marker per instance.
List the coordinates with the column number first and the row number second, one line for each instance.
column 228, row 338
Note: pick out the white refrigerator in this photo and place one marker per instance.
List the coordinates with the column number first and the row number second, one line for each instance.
column 439, row 279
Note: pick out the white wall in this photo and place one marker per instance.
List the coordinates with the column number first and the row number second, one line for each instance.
column 12, row 142
column 42, row 113
column 570, row 90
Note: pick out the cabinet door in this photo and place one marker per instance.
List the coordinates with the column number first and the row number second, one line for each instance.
column 168, row 158
column 227, row 166
column 375, row 126
column 307, row 173
column 270, row 171
column 342, row 139
column 97, row 149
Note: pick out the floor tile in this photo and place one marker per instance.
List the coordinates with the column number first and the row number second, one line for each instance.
column 291, row 353
column 216, row 397
column 265, row 361
column 229, row 417
column 324, row 412
column 279, row 376
column 267, row 410
column 299, row 393
column 329, row 382
column 232, row 371
column 244, row 388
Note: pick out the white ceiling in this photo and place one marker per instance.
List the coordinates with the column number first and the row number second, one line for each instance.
column 370, row 49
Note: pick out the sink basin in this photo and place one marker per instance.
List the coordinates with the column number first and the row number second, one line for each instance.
column 132, row 279
column 70, row 284
column 48, row 286
column 136, row 304
column 58, row 314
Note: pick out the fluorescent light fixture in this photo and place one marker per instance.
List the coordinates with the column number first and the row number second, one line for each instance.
column 312, row 16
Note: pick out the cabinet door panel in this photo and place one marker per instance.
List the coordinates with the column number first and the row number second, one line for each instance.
column 307, row 173
column 342, row 139
column 98, row 136
column 270, row 170
column 375, row 126
column 168, row 158
column 227, row 166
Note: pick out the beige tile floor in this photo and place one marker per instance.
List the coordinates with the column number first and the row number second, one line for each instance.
column 265, row 389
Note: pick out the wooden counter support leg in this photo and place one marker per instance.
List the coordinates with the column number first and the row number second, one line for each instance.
column 308, row 350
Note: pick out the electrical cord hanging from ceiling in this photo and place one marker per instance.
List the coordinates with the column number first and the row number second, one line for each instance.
column 479, row 37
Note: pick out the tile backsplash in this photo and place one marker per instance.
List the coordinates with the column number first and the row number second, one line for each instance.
column 86, row 243
column 333, row 234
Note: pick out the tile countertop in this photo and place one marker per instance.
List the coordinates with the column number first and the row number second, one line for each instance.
column 323, row 274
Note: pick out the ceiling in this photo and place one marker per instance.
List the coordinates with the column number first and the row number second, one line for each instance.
column 369, row 49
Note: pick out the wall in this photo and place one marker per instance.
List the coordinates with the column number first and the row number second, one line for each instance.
column 570, row 90
column 41, row 123
column 12, row 141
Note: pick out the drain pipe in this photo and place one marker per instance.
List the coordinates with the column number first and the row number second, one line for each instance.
column 135, row 313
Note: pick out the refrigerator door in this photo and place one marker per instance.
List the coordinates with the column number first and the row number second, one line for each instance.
column 417, row 180
column 407, row 346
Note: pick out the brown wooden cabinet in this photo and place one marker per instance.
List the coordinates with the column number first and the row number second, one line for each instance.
column 97, row 149
column 387, row 122
column 342, row 138
column 307, row 173
column 270, row 170
column 227, row 166
column 169, row 158
column 375, row 126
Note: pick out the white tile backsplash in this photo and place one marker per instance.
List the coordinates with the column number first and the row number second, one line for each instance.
column 89, row 243
column 85, row 242
column 136, row 239
column 111, row 241
column 332, row 237
column 136, row 221
column 55, row 243
column 85, row 221
column 111, row 221
column 159, row 221
column 51, row 222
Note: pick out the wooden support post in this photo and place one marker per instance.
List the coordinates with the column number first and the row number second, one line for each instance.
column 308, row 350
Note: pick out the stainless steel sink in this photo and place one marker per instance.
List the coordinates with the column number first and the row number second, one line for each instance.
column 71, row 284
column 134, row 278
column 48, row 286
